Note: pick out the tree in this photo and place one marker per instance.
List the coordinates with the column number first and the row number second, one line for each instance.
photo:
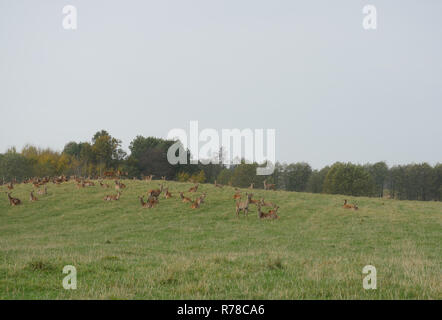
column 349, row 179
column 379, row 172
column 316, row 180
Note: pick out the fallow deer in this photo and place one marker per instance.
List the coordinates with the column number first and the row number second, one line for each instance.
column 167, row 194
column 194, row 188
column 269, row 186
column 252, row 185
column 156, row 192
column 144, row 204
column 10, row 186
column 266, row 204
column 43, row 191
column 349, row 206
column 32, row 198
column 244, row 205
column 217, row 185
column 237, row 195
column 13, row 201
column 184, row 199
column 270, row 215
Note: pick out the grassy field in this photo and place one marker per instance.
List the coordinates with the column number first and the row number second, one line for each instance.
column 316, row 250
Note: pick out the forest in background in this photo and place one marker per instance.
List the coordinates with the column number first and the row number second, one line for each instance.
column 148, row 155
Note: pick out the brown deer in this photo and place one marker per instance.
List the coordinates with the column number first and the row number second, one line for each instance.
column 252, row 185
column 32, row 197
column 268, row 186
column 244, row 205
column 10, row 186
column 13, row 201
column 349, row 206
column 42, row 192
column 254, row 201
column 167, row 194
column 194, row 188
column 112, row 197
column 155, row 192
column 163, row 178
column 266, row 204
column 237, row 195
column 152, row 201
column 270, row 215
column 218, row 185
column 80, row 185
column 197, row 203
column 104, row 185
column 184, row 199
column 144, row 204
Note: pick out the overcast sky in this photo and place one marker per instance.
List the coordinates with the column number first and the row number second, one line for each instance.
column 332, row 90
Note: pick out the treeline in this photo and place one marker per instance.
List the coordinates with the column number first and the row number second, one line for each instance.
column 148, row 155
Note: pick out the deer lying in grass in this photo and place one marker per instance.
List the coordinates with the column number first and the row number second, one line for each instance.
column 32, row 198
column 13, row 201
column 244, row 205
column 217, row 185
column 119, row 185
column 80, row 185
column 155, row 192
column 112, row 197
column 272, row 214
column 185, row 199
column 89, row 184
column 237, row 195
column 104, row 185
column 268, row 186
column 266, row 204
column 167, row 194
column 197, row 203
column 194, row 188
column 151, row 202
column 43, row 191
column 349, row 206
column 10, row 186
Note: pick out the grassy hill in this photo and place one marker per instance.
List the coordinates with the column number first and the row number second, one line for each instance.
column 316, row 250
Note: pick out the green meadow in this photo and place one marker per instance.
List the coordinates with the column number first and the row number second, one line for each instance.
column 316, row 250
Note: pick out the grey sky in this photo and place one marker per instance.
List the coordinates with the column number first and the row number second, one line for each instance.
column 332, row 90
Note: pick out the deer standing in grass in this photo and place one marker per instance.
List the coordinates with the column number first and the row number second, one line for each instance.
column 244, row 205
column 13, row 201
column 252, row 185
column 268, row 186
column 10, row 186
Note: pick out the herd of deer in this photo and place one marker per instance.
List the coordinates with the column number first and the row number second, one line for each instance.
column 154, row 194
